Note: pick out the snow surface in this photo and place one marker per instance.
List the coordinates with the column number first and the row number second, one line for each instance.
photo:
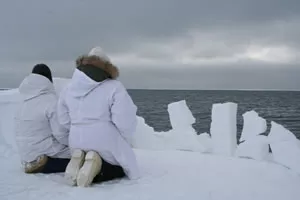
column 223, row 128
column 166, row 175
column 166, row 172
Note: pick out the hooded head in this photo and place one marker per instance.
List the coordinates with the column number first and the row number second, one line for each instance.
column 37, row 83
column 97, row 65
column 98, row 51
column 92, row 70
column 42, row 70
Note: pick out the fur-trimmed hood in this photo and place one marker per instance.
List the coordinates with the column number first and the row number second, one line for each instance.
column 96, row 61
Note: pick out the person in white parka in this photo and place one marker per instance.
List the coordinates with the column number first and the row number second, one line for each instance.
column 42, row 144
column 101, row 119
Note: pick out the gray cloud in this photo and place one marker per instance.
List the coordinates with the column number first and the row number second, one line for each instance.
column 255, row 76
column 160, row 34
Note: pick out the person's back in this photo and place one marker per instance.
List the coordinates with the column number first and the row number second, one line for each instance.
column 100, row 114
column 36, row 123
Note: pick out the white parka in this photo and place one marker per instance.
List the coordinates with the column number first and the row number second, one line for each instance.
column 37, row 129
column 101, row 116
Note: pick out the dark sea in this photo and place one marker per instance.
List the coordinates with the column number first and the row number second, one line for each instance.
column 282, row 107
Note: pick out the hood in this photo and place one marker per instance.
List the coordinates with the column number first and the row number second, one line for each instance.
column 81, row 84
column 35, row 85
column 96, row 61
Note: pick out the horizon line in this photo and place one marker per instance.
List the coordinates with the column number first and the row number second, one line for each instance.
column 210, row 89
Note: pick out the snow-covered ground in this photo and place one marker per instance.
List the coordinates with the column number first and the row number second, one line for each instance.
column 166, row 175
column 177, row 164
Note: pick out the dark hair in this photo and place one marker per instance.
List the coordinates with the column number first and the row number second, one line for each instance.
column 43, row 70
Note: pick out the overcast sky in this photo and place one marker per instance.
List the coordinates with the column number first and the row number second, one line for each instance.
column 192, row 44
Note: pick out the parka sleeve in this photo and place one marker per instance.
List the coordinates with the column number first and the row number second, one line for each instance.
column 63, row 117
column 123, row 112
column 60, row 133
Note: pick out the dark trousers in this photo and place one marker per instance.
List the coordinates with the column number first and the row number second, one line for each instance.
column 108, row 171
column 55, row 165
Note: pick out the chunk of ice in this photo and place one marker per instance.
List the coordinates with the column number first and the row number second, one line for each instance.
column 175, row 139
column 253, row 125
column 206, row 141
column 184, row 139
column 146, row 138
column 180, row 115
column 278, row 134
column 256, row 148
column 224, row 129
column 285, row 147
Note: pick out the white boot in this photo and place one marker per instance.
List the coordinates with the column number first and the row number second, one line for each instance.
column 90, row 169
column 74, row 166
